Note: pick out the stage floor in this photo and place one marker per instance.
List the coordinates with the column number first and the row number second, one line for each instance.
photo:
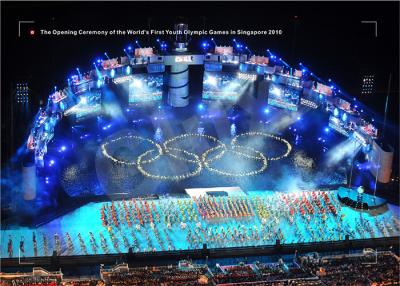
column 255, row 219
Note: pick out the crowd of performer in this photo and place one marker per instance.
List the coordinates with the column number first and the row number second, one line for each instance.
column 225, row 221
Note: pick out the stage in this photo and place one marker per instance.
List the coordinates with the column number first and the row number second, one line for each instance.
column 254, row 218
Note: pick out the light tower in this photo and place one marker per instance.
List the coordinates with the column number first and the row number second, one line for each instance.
column 178, row 93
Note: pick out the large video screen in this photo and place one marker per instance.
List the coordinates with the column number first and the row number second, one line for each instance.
column 145, row 88
column 283, row 96
column 88, row 104
column 225, row 86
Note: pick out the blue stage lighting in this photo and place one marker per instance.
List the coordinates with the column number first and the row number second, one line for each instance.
column 266, row 110
column 200, row 106
column 298, row 118
column 336, row 112
column 99, row 83
column 98, row 61
column 63, row 148
column 326, row 129
column 112, row 73
column 51, row 163
column 136, row 41
column 344, row 116
column 128, row 70
column 83, row 100
column 129, row 48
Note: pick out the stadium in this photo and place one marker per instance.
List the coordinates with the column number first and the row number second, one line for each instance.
column 125, row 169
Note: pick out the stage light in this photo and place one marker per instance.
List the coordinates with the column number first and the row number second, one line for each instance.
column 137, row 83
column 51, row 163
column 112, row 73
column 129, row 48
column 128, row 70
column 344, row 116
column 136, row 41
column 200, row 106
column 63, row 148
column 326, row 129
column 266, row 110
column 83, row 100
column 303, row 70
column 98, row 61
column 298, row 118
column 276, row 91
column 336, row 112
column 105, row 54
column 211, row 80
column 99, row 83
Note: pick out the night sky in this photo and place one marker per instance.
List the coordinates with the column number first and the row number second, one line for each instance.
column 329, row 39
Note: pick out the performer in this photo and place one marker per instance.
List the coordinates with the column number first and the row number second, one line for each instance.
column 10, row 248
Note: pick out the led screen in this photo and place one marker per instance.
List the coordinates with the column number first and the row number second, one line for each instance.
column 225, row 86
column 145, row 88
column 283, row 96
column 88, row 104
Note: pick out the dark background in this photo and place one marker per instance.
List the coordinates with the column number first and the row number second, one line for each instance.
column 327, row 37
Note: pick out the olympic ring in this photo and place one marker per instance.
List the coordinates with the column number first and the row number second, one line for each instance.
column 174, row 177
column 289, row 147
column 115, row 160
column 205, row 159
column 249, row 173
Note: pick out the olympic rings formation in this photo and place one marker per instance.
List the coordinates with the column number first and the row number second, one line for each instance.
column 199, row 161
